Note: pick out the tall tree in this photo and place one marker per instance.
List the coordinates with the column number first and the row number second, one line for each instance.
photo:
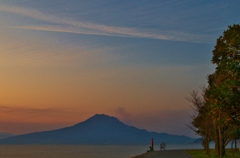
column 223, row 94
column 226, row 56
column 220, row 108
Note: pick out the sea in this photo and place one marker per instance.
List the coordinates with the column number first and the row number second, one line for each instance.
column 82, row 151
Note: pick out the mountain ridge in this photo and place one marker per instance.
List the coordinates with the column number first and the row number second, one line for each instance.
column 4, row 135
column 99, row 129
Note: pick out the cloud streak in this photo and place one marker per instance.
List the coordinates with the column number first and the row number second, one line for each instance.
column 61, row 24
column 20, row 120
column 29, row 111
column 41, row 115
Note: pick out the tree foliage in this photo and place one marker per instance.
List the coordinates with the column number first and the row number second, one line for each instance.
column 222, row 96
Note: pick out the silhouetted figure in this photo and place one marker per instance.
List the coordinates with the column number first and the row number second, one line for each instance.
column 163, row 146
column 152, row 144
column 150, row 149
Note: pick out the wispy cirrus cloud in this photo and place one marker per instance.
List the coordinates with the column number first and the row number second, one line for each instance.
column 61, row 24
column 31, row 114
column 29, row 111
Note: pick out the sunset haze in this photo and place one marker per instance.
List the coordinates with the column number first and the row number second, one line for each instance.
column 63, row 61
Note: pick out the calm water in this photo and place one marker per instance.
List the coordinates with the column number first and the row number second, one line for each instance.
column 79, row 151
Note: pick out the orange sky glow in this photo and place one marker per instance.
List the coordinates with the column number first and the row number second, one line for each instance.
column 61, row 64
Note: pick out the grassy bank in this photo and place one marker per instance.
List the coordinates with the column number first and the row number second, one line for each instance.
column 202, row 154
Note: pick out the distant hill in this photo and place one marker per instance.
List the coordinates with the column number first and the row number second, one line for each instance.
column 197, row 141
column 99, row 129
column 4, row 135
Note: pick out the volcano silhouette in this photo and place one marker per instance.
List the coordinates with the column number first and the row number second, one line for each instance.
column 99, row 130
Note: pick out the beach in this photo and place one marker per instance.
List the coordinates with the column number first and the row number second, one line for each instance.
column 164, row 154
column 91, row 151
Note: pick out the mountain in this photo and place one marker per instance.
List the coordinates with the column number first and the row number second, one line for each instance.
column 197, row 141
column 99, row 129
column 4, row 135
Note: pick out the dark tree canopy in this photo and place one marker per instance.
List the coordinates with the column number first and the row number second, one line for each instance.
column 225, row 82
column 227, row 46
column 221, row 108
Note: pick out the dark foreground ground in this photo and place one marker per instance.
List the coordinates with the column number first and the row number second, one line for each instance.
column 165, row 154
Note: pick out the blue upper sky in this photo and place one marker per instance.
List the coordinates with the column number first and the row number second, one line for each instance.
column 112, row 56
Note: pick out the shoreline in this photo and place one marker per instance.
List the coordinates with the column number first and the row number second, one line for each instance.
column 165, row 154
column 185, row 153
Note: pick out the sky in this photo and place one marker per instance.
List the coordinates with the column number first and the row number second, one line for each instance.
column 63, row 61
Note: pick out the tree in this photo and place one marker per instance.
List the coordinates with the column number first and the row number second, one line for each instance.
column 218, row 99
column 201, row 121
column 219, row 108
column 223, row 94
column 226, row 56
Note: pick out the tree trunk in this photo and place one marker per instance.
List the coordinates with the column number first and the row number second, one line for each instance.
column 239, row 145
column 235, row 140
column 207, row 141
column 216, row 139
column 221, row 143
column 207, row 146
column 217, row 148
